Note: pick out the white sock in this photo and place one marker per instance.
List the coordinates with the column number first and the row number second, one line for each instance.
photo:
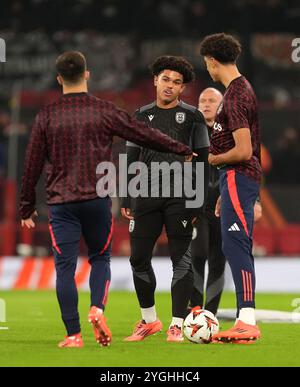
column 247, row 315
column 149, row 314
column 177, row 321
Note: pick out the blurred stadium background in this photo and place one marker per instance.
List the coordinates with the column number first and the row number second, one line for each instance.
column 120, row 39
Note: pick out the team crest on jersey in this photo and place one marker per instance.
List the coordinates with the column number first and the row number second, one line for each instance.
column 220, row 108
column 131, row 225
column 180, row 117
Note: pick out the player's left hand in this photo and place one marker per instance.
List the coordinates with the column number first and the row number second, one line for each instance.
column 218, row 207
column 213, row 159
column 29, row 223
column 257, row 211
column 190, row 157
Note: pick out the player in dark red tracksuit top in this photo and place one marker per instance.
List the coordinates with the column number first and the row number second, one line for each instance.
column 235, row 149
column 72, row 136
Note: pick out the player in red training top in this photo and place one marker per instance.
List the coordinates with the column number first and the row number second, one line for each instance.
column 235, row 150
column 71, row 137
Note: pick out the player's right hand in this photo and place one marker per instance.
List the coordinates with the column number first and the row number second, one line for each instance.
column 126, row 213
column 29, row 223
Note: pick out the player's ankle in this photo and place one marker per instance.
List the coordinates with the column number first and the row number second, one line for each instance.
column 149, row 314
column 74, row 334
column 247, row 316
column 177, row 321
column 100, row 310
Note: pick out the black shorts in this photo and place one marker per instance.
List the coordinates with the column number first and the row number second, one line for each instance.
column 151, row 214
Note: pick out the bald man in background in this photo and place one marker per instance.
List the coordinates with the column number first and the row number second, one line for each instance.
column 207, row 241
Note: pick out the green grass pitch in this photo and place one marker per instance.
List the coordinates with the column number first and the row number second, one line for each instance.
column 35, row 328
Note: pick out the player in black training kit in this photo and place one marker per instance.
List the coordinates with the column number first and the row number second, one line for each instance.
column 148, row 215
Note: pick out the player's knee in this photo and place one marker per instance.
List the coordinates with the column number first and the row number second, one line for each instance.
column 226, row 248
column 65, row 269
column 139, row 263
column 182, row 268
column 97, row 257
column 218, row 267
column 199, row 259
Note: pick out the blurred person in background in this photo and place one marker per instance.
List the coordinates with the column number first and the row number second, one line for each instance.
column 207, row 239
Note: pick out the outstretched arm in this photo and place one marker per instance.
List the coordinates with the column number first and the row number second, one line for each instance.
column 139, row 133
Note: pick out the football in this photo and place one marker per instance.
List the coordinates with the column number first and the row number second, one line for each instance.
column 200, row 325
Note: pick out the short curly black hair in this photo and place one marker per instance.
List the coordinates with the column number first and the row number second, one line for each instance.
column 224, row 48
column 174, row 63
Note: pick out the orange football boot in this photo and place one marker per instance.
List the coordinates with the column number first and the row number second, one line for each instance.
column 74, row 341
column 143, row 330
column 241, row 333
column 102, row 333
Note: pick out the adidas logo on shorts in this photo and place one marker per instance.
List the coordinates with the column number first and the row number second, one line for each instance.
column 234, row 227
